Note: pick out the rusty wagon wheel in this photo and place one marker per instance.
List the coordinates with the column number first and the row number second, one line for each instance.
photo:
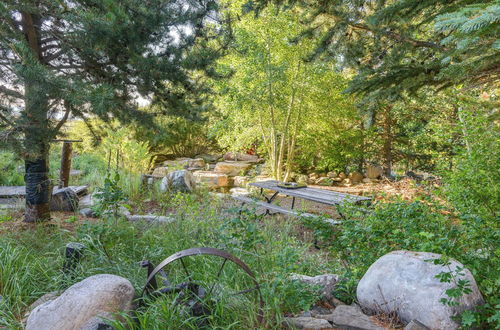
column 198, row 291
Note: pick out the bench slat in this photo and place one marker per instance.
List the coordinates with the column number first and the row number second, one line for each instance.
column 283, row 210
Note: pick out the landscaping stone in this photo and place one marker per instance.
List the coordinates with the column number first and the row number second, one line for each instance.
column 212, row 179
column 43, row 299
column 96, row 296
column 332, row 174
column 64, row 199
column 309, row 323
column 209, row 158
column 241, row 181
column 301, row 178
column 326, row 282
column 181, row 181
column 324, row 181
column 352, row 318
column 230, row 156
column 342, row 175
column 160, row 171
column 367, row 180
column 355, row 177
column 415, row 325
column 87, row 212
column 197, row 163
column 374, row 171
column 150, row 218
column 232, row 168
column 239, row 192
column 404, row 282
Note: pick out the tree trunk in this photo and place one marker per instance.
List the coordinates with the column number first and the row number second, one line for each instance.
column 37, row 182
column 36, row 129
column 388, row 139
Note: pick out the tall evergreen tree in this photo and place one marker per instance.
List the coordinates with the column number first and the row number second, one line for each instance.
column 80, row 57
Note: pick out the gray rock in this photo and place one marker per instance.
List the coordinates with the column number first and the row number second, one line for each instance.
column 198, row 163
column 310, row 323
column 415, row 325
column 99, row 322
column 96, row 296
column 150, row 218
column 352, row 318
column 239, row 192
column 326, row 282
column 64, row 199
column 178, row 181
column 211, row 179
column 87, row 212
column 42, row 300
column 405, row 283
column 160, row 171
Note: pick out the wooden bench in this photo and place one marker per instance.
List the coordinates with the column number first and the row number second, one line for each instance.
column 275, row 208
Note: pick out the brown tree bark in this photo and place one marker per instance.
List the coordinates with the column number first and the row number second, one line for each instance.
column 388, row 141
column 36, row 131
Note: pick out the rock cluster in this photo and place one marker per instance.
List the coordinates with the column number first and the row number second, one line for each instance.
column 401, row 284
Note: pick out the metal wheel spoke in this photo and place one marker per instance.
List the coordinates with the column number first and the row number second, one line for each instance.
column 185, row 268
column 218, row 276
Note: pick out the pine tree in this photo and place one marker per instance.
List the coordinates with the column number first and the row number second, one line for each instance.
column 75, row 58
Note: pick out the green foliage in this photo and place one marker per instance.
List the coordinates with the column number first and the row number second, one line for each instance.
column 473, row 183
column 293, row 110
column 110, row 196
column 10, row 175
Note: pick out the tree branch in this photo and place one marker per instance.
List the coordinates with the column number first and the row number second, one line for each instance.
column 5, row 119
column 64, row 118
column 11, row 92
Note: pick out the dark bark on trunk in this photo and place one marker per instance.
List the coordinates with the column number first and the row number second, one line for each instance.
column 388, row 139
column 37, row 137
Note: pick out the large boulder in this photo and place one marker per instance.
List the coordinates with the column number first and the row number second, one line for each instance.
column 178, row 181
column 232, row 168
column 64, row 199
column 81, row 304
column 231, row 156
column 212, row 179
column 405, row 283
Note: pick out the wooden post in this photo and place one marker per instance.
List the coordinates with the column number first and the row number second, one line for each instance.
column 67, row 149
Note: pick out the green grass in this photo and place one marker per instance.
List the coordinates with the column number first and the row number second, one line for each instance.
column 32, row 261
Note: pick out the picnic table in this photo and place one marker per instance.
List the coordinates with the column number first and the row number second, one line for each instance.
column 322, row 196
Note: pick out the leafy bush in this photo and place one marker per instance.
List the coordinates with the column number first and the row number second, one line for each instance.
column 473, row 186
